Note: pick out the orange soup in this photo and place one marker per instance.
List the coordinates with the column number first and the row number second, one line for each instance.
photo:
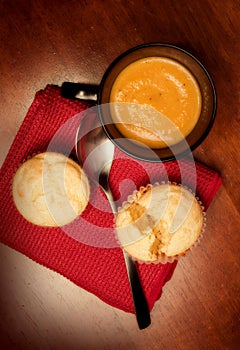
column 155, row 101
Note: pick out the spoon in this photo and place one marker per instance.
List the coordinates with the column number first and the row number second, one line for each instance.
column 96, row 152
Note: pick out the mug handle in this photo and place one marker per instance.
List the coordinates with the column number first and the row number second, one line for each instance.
column 84, row 92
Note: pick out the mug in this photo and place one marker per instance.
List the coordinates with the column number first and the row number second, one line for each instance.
column 102, row 96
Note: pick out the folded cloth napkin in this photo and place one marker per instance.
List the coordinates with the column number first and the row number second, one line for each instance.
column 85, row 251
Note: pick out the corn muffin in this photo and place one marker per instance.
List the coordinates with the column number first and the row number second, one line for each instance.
column 50, row 189
column 159, row 222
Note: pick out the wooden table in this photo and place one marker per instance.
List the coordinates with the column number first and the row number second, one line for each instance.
column 48, row 42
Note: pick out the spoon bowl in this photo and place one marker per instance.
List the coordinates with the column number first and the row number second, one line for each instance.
column 95, row 151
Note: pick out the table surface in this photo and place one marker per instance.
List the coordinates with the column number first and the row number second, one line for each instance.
column 48, row 42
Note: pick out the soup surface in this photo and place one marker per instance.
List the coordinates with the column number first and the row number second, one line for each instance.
column 155, row 101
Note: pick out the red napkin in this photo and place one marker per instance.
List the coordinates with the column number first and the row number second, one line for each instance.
column 86, row 251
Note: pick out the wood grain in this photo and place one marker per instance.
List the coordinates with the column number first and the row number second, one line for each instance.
column 47, row 42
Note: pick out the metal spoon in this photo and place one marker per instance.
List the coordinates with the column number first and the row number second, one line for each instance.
column 96, row 152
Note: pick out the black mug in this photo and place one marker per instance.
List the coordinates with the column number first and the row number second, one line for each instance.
column 101, row 96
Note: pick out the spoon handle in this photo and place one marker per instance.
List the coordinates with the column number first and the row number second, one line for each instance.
column 139, row 300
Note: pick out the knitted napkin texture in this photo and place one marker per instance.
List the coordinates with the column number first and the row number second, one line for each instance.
column 86, row 251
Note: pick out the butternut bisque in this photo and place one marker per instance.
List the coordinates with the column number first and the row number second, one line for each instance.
column 155, row 101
